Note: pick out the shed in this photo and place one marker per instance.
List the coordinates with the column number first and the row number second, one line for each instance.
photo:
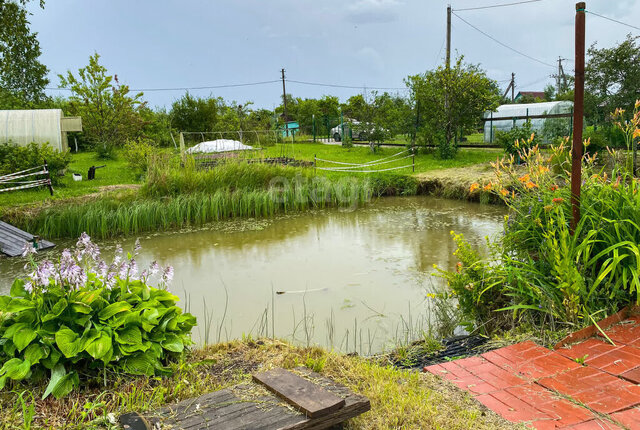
column 533, row 94
column 23, row 127
column 518, row 115
column 290, row 128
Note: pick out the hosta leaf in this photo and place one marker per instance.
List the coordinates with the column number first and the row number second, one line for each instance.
column 52, row 360
column 23, row 337
column 130, row 349
column 4, row 301
column 9, row 348
column 68, row 342
column 113, row 309
column 139, row 364
column 100, row 347
column 172, row 343
column 55, row 312
column 18, row 290
column 88, row 297
column 164, row 296
column 36, row 352
column 3, row 380
column 129, row 336
column 60, row 383
column 81, row 308
column 17, row 305
column 16, row 369
column 11, row 331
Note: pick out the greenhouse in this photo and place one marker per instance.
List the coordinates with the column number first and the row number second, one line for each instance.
column 22, row 127
column 518, row 114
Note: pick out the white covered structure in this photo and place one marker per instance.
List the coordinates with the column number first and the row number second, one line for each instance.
column 218, row 145
column 522, row 111
column 23, row 127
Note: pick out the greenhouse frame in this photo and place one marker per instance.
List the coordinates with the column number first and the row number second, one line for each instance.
column 519, row 114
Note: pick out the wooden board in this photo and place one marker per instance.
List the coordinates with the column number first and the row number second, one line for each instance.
column 12, row 240
column 230, row 409
column 304, row 395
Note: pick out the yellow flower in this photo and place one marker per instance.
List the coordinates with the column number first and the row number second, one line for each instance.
column 531, row 185
column 548, row 208
column 504, row 192
column 474, row 187
column 637, row 104
column 524, row 178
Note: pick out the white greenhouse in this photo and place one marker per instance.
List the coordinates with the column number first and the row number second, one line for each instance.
column 23, row 127
column 518, row 114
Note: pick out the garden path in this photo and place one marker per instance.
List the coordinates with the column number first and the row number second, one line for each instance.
column 591, row 384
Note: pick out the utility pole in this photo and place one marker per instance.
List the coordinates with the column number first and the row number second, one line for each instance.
column 284, row 99
column 448, row 65
column 578, row 117
column 512, row 87
column 561, row 78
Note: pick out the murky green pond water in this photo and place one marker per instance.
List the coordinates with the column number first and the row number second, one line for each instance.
column 353, row 280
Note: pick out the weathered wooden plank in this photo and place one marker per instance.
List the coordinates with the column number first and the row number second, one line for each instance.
column 313, row 400
column 12, row 240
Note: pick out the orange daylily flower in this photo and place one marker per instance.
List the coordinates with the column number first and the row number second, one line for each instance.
column 531, row 185
column 558, row 200
column 487, row 187
column 524, row 178
column 553, row 187
column 474, row 187
column 504, row 192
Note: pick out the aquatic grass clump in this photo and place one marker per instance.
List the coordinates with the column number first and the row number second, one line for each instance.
column 109, row 218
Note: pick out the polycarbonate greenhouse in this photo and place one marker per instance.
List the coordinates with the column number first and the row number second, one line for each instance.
column 548, row 128
column 23, row 127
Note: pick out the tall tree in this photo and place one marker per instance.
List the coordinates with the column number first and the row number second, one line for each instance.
column 612, row 78
column 455, row 100
column 110, row 115
column 191, row 113
column 22, row 77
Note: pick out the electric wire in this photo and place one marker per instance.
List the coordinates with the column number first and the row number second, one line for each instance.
column 503, row 44
column 613, row 20
column 210, row 87
column 318, row 84
column 497, row 5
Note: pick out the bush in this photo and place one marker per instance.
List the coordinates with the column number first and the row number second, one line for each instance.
column 14, row 158
column 512, row 140
column 80, row 317
column 138, row 154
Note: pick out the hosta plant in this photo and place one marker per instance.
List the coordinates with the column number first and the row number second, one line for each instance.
column 80, row 317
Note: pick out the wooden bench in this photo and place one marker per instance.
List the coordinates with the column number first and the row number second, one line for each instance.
column 277, row 399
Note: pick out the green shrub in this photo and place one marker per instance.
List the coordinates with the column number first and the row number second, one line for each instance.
column 14, row 158
column 79, row 318
column 138, row 154
column 517, row 139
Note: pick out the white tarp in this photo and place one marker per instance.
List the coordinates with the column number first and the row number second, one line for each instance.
column 23, row 127
column 218, row 145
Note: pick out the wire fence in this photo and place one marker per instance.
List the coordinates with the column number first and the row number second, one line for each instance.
column 369, row 166
column 11, row 182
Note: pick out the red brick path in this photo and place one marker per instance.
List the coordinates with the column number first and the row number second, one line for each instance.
column 553, row 389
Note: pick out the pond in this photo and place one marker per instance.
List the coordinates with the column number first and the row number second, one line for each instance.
column 349, row 280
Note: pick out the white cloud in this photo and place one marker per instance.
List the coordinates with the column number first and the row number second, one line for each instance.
column 373, row 11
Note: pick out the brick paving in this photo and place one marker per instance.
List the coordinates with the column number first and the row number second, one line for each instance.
column 591, row 384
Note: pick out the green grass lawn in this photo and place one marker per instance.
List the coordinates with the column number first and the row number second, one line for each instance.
column 362, row 154
column 116, row 172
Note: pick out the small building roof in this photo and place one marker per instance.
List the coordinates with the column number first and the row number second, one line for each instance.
column 534, row 94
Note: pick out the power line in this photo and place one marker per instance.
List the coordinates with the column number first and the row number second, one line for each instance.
column 211, row 87
column 500, row 43
column 497, row 5
column 613, row 20
column 317, row 84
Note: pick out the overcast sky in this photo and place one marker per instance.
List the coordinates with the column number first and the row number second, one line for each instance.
column 362, row 43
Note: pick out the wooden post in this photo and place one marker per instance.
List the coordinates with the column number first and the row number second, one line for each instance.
column 513, row 87
column 46, row 168
column 315, row 164
column 578, row 116
column 448, row 64
column 413, row 158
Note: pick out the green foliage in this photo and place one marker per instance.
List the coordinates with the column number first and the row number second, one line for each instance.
column 14, row 158
column 612, row 77
column 138, row 154
column 80, row 317
column 110, row 115
column 455, row 100
column 517, row 139
column 22, row 76
column 190, row 113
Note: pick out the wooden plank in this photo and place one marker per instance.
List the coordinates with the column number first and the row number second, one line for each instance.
column 12, row 240
column 313, row 400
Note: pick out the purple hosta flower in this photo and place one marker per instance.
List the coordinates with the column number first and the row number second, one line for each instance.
column 110, row 280
column 132, row 271
column 122, row 270
column 144, row 275
column 28, row 286
column 84, row 240
column 102, row 269
column 154, row 268
column 167, row 275
column 117, row 258
column 73, row 275
column 43, row 273
column 137, row 247
column 28, row 249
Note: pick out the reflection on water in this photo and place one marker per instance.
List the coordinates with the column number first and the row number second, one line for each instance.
column 350, row 278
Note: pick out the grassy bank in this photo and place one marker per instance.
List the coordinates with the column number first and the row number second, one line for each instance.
column 399, row 398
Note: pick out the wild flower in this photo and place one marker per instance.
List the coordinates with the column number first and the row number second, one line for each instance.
column 474, row 187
